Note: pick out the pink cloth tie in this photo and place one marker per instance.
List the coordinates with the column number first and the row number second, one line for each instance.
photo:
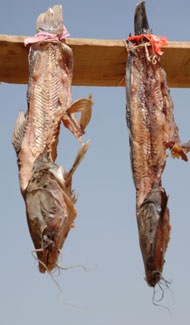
column 45, row 36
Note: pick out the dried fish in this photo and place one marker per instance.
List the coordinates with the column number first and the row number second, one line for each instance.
column 46, row 186
column 152, row 130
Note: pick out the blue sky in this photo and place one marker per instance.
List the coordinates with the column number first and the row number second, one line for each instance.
column 106, row 230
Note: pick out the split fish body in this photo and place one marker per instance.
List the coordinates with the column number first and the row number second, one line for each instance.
column 49, row 97
column 152, row 130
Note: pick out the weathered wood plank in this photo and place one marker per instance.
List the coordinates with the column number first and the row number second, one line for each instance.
column 96, row 62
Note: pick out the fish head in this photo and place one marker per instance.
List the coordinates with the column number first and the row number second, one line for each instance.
column 50, row 212
column 49, row 225
column 154, row 231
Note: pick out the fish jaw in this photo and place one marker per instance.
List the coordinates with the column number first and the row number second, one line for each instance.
column 154, row 233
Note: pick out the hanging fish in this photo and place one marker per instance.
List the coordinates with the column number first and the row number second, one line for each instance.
column 49, row 94
column 152, row 129
column 46, row 186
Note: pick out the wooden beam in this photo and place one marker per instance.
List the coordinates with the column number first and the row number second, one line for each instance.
column 96, row 62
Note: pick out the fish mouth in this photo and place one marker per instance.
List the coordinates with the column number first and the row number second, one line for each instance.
column 153, row 275
column 48, row 260
column 43, row 261
column 50, row 251
column 153, row 278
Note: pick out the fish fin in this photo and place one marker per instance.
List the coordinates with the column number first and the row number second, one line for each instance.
column 74, row 197
column 83, row 106
column 81, row 153
column 178, row 150
column 19, row 131
column 86, row 113
column 71, row 123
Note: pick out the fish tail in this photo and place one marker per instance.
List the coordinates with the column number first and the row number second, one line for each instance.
column 141, row 21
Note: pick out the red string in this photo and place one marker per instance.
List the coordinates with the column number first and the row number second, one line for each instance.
column 156, row 41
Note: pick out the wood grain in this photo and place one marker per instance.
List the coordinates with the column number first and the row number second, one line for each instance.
column 96, row 62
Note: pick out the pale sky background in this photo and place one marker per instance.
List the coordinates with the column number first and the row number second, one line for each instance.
column 106, row 230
